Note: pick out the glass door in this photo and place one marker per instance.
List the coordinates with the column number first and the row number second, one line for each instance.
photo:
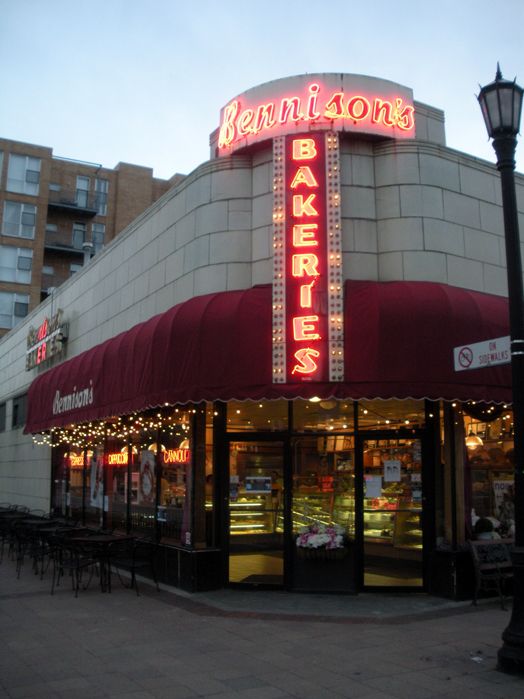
column 392, row 513
column 256, row 513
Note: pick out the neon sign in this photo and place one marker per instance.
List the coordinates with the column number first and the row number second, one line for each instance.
column 169, row 456
column 306, row 266
column 176, row 456
column 307, row 280
column 339, row 103
column 76, row 460
column 46, row 341
column 117, row 458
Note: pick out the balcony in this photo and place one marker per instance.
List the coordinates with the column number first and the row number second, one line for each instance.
column 78, row 201
column 55, row 242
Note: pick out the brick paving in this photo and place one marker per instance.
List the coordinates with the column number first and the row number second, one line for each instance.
column 241, row 644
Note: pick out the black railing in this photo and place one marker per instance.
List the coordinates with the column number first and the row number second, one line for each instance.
column 55, row 241
column 76, row 200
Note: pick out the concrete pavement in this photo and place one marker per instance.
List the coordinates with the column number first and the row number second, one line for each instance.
column 233, row 644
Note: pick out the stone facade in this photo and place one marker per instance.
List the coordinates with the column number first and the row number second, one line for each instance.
column 411, row 210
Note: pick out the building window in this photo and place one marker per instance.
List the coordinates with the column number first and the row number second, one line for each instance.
column 19, row 220
column 13, row 307
column 79, row 235
column 15, row 264
column 19, row 411
column 23, row 174
column 54, row 187
column 1, row 164
column 82, row 191
column 75, row 267
column 47, row 269
column 2, row 417
column 101, row 189
column 98, row 234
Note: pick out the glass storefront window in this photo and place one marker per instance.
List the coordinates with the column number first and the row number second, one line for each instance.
column 176, row 456
column 60, row 475
column 250, row 416
column 143, row 479
column 317, row 415
column 488, row 433
column 116, row 461
column 392, row 515
column 94, row 506
column 76, row 483
column 324, row 483
column 209, row 482
column 390, row 414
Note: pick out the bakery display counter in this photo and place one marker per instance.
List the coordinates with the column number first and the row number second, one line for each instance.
column 399, row 527
column 250, row 516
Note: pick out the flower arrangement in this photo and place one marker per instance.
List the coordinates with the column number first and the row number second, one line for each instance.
column 321, row 536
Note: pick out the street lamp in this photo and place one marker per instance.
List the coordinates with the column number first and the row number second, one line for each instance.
column 501, row 104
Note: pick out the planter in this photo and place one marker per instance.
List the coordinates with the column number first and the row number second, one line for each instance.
column 321, row 554
column 324, row 570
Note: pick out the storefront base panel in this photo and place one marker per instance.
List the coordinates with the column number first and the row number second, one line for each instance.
column 190, row 570
column 317, row 571
column 451, row 575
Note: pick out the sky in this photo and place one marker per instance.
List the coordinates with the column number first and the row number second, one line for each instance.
column 143, row 81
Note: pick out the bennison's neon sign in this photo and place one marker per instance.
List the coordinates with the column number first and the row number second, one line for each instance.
column 317, row 106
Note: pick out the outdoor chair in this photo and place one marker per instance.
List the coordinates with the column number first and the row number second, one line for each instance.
column 72, row 558
column 135, row 556
column 493, row 567
column 21, row 540
column 5, row 536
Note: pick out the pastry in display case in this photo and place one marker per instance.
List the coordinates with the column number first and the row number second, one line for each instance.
column 311, row 508
column 408, row 529
column 249, row 515
column 379, row 524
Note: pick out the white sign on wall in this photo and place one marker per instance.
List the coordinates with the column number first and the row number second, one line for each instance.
column 482, row 354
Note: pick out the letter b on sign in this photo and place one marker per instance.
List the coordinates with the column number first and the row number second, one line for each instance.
column 304, row 149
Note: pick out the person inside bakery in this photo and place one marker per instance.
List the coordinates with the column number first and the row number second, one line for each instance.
column 484, row 530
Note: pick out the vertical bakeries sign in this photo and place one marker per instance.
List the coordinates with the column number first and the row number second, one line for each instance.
column 307, row 279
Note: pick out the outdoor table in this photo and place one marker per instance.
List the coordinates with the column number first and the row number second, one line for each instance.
column 12, row 514
column 100, row 546
column 36, row 523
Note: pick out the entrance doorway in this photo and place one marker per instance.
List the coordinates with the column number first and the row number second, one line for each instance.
column 256, row 512
column 392, row 512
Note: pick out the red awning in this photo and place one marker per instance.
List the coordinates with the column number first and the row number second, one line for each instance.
column 399, row 340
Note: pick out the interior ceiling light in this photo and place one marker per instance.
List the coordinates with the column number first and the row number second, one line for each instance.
column 473, row 440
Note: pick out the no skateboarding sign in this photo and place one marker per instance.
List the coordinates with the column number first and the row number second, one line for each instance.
column 482, row 354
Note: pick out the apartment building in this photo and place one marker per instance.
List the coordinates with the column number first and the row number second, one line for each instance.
column 56, row 213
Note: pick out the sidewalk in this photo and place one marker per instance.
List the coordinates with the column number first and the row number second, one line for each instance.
column 233, row 644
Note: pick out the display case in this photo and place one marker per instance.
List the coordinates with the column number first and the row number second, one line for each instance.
column 408, row 529
column 324, row 508
column 398, row 526
column 250, row 515
column 344, row 512
column 379, row 525
column 311, row 508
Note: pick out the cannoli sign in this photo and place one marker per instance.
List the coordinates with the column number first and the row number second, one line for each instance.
column 329, row 102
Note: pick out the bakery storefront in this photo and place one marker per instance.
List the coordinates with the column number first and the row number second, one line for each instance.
column 293, row 484
column 311, row 433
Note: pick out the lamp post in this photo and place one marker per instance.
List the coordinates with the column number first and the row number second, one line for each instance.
column 501, row 104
